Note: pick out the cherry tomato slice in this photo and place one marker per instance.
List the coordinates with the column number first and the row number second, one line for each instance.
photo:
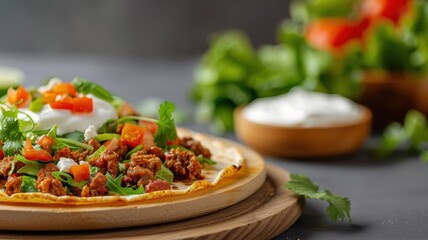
column 132, row 134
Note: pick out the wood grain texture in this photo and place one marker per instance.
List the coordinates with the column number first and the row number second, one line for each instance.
column 263, row 215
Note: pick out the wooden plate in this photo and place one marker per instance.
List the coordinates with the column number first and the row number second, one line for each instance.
column 167, row 209
column 264, row 215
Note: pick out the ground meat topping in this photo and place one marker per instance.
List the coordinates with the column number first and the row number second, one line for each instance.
column 63, row 152
column 97, row 186
column 149, row 161
column 6, row 166
column 195, row 146
column 13, row 184
column 107, row 162
column 138, row 175
column 157, row 151
column 183, row 164
column 46, row 183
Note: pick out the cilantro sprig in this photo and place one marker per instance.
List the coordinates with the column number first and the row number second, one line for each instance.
column 339, row 207
column 413, row 135
column 13, row 129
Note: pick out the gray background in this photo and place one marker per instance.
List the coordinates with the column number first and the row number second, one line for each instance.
column 132, row 28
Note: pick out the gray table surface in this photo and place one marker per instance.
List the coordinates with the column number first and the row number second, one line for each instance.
column 389, row 199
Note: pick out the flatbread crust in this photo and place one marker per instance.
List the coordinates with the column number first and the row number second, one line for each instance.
column 229, row 162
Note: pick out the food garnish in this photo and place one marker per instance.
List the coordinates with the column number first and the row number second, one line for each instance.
column 127, row 154
column 339, row 207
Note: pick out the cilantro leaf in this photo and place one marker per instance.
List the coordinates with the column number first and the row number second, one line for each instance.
column 339, row 207
column 10, row 132
column 30, row 168
column 165, row 174
column 114, row 185
column 66, row 178
column 166, row 126
column 393, row 137
column 413, row 134
column 12, row 147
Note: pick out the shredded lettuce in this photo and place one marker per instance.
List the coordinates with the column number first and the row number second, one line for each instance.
column 30, row 168
column 28, row 184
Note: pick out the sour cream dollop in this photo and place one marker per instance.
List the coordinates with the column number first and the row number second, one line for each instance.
column 68, row 121
column 302, row 108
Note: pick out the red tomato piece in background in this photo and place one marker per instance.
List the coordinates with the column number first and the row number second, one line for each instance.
column 332, row 34
column 386, row 9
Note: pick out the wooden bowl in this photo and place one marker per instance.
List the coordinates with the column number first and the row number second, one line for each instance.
column 390, row 95
column 303, row 142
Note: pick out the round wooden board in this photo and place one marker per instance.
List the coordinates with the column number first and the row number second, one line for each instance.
column 56, row 217
column 264, row 215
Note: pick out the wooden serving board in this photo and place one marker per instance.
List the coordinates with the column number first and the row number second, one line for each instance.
column 264, row 215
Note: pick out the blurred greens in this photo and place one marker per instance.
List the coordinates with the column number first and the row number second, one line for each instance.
column 412, row 135
column 232, row 72
column 305, row 11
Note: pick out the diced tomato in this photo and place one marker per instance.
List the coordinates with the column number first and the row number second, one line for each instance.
column 49, row 97
column 19, row 96
column 132, row 134
column 331, row 34
column 386, row 9
column 83, row 105
column 62, row 101
column 151, row 126
column 35, row 154
column 80, row 172
column 65, row 88
column 46, row 142
column 176, row 141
